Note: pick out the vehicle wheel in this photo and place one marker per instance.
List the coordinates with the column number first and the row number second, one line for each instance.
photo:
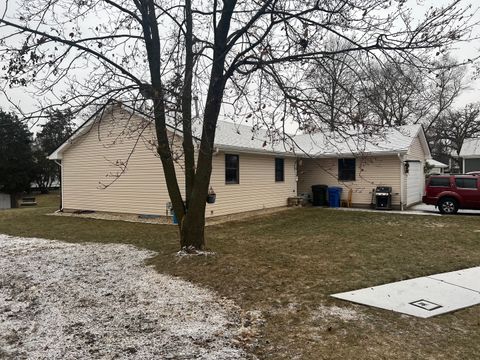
column 448, row 206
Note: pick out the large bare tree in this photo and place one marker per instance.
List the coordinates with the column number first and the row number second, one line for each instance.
column 452, row 129
column 247, row 56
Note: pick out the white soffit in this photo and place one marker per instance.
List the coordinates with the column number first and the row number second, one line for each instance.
column 422, row 297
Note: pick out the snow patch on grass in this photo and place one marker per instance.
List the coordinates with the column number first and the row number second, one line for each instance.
column 60, row 300
column 324, row 312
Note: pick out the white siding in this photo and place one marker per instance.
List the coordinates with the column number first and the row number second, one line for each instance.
column 414, row 182
column 370, row 173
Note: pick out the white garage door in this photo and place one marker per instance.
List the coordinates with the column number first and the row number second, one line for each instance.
column 415, row 183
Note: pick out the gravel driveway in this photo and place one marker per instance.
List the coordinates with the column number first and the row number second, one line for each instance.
column 77, row 301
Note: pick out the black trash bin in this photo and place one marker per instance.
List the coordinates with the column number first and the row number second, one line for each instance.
column 320, row 195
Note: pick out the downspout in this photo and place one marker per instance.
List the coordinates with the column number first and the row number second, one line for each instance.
column 61, row 183
column 400, row 157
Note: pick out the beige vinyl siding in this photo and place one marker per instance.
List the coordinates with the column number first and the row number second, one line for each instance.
column 96, row 158
column 370, row 173
column 257, row 188
column 416, row 152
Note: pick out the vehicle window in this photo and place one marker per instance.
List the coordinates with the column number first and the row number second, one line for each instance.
column 440, row 181
column 466, row 183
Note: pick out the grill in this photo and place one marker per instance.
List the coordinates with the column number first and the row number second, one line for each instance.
column 383, row 198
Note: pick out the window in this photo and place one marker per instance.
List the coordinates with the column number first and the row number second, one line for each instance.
column 466, row 183
column 346, row 169
column 232, row 175
column 439, row 182
column 279, row 170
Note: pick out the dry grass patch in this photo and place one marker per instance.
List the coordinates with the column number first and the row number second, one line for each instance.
column 284, row 266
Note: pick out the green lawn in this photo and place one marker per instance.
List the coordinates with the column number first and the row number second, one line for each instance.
column 285, row 265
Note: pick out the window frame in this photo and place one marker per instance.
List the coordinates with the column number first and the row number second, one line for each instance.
column 279, row 160
column 237, row 181
column 342, row 172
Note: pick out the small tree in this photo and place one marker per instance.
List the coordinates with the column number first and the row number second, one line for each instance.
column 16, row 163
column 54, row 132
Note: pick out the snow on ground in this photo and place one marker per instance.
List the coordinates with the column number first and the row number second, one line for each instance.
column 324, row 312
column 76, row 301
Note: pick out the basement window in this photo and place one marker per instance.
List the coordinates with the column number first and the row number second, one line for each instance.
column 279, row 170
column 232, row 169
column 346, row 169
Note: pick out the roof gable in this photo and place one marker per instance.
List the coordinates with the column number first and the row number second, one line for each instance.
column 470, row 148
column 354, row 142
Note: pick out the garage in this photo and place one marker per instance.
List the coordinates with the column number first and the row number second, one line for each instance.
column 415, row 182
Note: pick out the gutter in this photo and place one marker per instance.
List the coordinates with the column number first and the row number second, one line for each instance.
column 351, row 155
column 61, row 183
column 245, row 150
column 400, row 157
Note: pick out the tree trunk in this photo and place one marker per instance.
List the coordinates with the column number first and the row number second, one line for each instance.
column 192, row 224
column 192, row 232
column 14, row 198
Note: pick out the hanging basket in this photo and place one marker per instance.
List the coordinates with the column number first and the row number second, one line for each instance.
column 211, row 197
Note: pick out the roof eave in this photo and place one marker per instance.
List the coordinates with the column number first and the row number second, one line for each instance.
column 245, row 150
column 358, row 154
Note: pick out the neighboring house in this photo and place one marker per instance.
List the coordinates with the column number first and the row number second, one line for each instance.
column 470, row 155
column 247, row 173
column 5, row 201
column 436, row 167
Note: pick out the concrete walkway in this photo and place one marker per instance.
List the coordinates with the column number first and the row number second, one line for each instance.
column 420, row 209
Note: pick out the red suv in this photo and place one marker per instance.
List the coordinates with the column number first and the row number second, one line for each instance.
column 452, row 192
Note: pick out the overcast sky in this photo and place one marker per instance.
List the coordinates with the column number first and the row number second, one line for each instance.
column 461, row 52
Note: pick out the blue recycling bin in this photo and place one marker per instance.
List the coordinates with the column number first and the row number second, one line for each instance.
column 334, row 196
column 174, row 217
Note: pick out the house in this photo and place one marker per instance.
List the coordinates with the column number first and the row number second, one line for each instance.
column 436, row 167
column 107, row 167
column 470, row 155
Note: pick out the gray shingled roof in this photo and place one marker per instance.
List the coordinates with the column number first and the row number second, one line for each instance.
column 240, row 138
column 470, row 148
column 323, row 144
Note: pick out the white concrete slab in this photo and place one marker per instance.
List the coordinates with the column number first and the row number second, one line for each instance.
column 422, row 297
column 430, row 209
column 467, row 278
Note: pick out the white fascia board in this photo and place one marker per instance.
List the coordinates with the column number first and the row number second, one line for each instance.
column 243, row 150
column 353, row 155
